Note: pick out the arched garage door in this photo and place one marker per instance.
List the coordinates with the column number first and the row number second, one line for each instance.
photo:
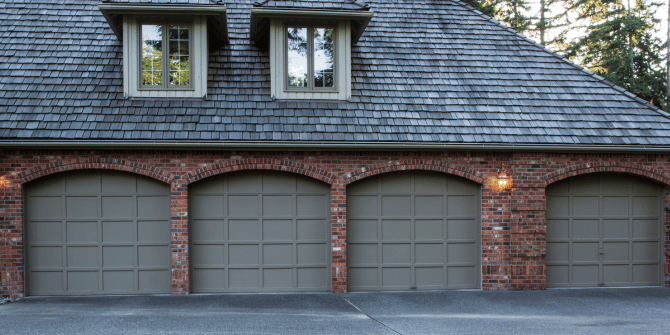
column 97, row 232
column 413, row 230
column 259, row 231
column 604, row 230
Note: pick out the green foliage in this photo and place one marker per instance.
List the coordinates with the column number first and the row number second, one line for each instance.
column 484, row 6
column 619, row 46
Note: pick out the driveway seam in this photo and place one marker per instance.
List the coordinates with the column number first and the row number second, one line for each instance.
column 368, row 315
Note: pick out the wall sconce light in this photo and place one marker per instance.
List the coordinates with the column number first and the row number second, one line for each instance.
column 501, row 181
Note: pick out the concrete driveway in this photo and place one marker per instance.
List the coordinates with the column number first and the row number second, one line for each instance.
column 475, row 312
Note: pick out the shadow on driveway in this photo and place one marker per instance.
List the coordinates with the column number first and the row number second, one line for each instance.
column 437, row 312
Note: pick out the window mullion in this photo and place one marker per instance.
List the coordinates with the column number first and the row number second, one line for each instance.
column 166, row 55
column 310, row 58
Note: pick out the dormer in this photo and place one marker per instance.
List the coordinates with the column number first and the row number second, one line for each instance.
column 309, row 45
column 166, row 47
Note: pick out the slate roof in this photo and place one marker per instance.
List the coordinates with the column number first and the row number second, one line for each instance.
column 424, row 72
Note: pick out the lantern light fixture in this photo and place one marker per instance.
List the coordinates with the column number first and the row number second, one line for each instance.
column 501, row 181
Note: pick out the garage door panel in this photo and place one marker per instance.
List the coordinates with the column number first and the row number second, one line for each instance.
column 396, row 229
column 312, row 253
column 206, row 206
column 117, row 232
column 308, row 185
column 278, row 230
column 427, row 222
column 585, row 229
column 585, row 206
column 82, row 231
column 118, row 281
column 361, row 206
column 208, row 254
column 149, row 279
column 277, row 205
column 240, row 254
column 396, row 253
column 557, row 229
column 395, row 183
column 429, row 277
column 243, row 206
column 615, row 206
column 615, row 228
column 208, row 279
column 311, row 205
column 612, row 247
column 616, row 274
column 461, row 253
column 278, row 278
column 585, row 252
column 208, row 230
column 117, row 207
column 119, row 183
column 313, row 278
column 118, row 256
column 557, row 252
column 645, row 229
column 396, row 277
column 153, row 231
column 646, row 251
column 396, row 206
column 430, row 229
column 82, row 257
column 240, row 183
column 426, row 206
column 44, row 207
column 44, row 282
column 429, row 253
column 363, row 254
column 242, row 230
column 462, row 229
column 278, row 254
column 83, row 182
column 557, row 207
column 278, row 182
column 152, row 207
column 615, row 251
column 646, row 274
column 243, row 278
column 461, row 205
column 83, row 281
column 461, row 276
column 96, row 211
column 362, row 230
column 312, row 229
column 645, row 205
column 45, row 232
column 41, row 257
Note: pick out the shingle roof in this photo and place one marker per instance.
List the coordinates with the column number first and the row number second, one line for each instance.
column 423, row 71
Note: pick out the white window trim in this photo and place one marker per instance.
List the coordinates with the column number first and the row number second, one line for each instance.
column 279, row 89
column 132, row 55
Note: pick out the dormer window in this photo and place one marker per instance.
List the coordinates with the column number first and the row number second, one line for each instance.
column 166, row 47
column 310, row 50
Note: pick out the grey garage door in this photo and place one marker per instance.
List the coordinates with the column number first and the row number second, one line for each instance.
column 98, row 232
column 413, row 230
column 604, row 230
column 260, row 232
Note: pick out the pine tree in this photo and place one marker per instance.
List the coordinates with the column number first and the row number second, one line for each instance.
column 619, row 46
column 513, row 14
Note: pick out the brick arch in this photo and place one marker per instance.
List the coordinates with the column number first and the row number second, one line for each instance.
column 96, row 163
column 261, row 164
column 424, row 165
column 633, row 169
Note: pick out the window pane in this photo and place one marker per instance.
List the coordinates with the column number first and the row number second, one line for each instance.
column 323, row 57
column 297, row 57
column 179, row 55
column 152, row 54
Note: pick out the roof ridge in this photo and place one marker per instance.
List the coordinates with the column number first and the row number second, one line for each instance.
column 598, row 78
column 359, row 3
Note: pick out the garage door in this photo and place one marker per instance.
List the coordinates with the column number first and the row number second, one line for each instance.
column 604, row 230
column 98, row 232
column 260, row 232
column 413, row 230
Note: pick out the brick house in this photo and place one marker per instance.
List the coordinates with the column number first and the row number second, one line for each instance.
column 185, row 146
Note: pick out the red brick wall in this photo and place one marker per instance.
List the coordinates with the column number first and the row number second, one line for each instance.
column 513, row 223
